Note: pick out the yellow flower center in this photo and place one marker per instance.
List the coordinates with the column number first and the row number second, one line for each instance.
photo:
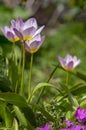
column 27, row 38
column 15, row 39
column 67, row 69
column 33, row 50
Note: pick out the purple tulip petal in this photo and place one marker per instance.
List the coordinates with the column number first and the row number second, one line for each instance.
column 62, row 61
column 70, row 65
column 10, row 35
column 29, row 31
column 77, row 63
column 13, row 23
column 20, row 21
column 39, row 30
column 18, row 33
column 36, row 38
column 30, row 23
column 42, row 40
column 69, row 62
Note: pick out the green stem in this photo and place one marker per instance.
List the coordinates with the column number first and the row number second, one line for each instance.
column 68, row 90
column 13, row 50
column 30, row 77
column 23, row 65
column 43, row 89
column 19, row 70
column 67, row 78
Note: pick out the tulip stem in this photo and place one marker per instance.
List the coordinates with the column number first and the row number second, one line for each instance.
column 13, row 50
column 67, row 78
column 47, row 81
column 23, row 65
column 30, row 77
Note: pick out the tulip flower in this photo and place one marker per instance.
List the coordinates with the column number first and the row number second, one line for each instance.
column 26, row 30
column 69, row 62
column 9, row 34
column 33, row 45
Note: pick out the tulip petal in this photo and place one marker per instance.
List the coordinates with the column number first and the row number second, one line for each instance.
column 18, row 33
column 10, row 35
column 70, row 65
column 29, row 31
column 30, row 23
column 62, row 61
column 39, row 30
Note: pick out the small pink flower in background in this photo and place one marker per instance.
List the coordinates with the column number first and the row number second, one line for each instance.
column 81, row 115
column 69, row 123
column 46, row 127
column 69, row 62
column 72, row 126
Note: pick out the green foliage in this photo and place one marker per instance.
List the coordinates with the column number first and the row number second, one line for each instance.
column 50, row 100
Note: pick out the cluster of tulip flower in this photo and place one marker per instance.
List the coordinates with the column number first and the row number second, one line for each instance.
column 29, row 36
column 25, row 32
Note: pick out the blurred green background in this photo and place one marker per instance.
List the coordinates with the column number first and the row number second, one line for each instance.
column 65, row 31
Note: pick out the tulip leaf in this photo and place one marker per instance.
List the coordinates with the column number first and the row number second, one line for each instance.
column 14, row 99
column 5, row 84
column 29, row 115
column 15, row 125
column 42, row 85
column 13, row 73
column 79, row 75
column 20, row 102
column 79, row 90
column 5, row 114
column 22, row 119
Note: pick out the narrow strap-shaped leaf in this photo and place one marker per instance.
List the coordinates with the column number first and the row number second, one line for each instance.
column 42, row 85
column 22, row 118
column 43, row 89
column 14, row 99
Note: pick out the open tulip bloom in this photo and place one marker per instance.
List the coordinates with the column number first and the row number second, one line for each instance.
column 69, row 62
column 20, row 30
column 33, row 45
column 26, row 30
column 9, row 34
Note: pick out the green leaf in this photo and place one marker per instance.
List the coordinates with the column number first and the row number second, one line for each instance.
column 80, row 89
column 20, row 116
column 42, row 85
column 15, row 125
column 5, row 114
column 13, row 74
column 5, row 84
column 20, row 102
column 83, row 102
column 79, row 75
column 29, row 115
column 14, row 99
column 76, row 73
column 45, row 113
